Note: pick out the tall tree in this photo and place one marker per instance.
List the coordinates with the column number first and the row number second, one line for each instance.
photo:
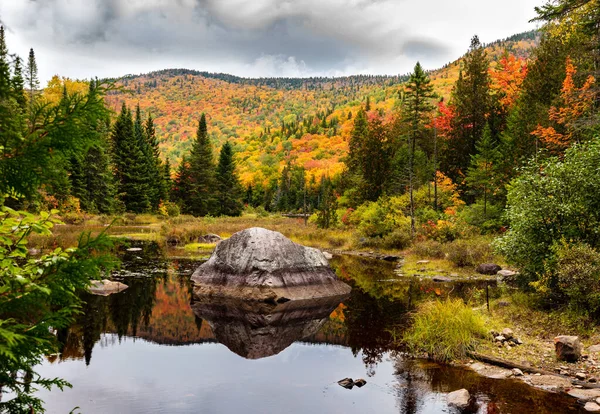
column 18, row 84
column 471, row 102
column 229, row 189
column 416, row 113
column 31, row 76
column 202, row 173
column 182, row 186
column 483, row 174
column 130, row 164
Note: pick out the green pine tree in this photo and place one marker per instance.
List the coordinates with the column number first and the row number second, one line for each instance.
column 229, row 189
column 416, row 114
column 202, row 174
column 472, row 103
column 182, row 186
column 130, row 163
column 18, row 83
column 483, row 173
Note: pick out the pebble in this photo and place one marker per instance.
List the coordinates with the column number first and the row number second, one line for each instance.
column 580, row 376
column 517, row 372
column 592, row 407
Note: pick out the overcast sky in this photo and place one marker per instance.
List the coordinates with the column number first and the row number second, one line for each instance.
column 83, row 38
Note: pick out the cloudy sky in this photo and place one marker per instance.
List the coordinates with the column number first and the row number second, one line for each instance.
column 83, row 38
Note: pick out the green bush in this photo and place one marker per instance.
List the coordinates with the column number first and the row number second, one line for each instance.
column 556, row 200
column 489, row 222
column 573, row 277
column 445, row 330
column 398, row 239
column 172, row 209
column 469, row 252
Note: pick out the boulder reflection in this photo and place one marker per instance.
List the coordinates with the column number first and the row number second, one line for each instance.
column 255, row 329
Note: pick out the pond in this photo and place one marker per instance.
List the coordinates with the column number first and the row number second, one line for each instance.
column 151, row 349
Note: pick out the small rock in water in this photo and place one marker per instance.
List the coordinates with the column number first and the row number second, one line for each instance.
column 360, row 382
column 390, row 258
column 593, row 380
column 134, row 249
column 580, row 376
column 328, row 255
column 593, row 349
column 500, row 338
column 459, row 399
column 517, row 372
column 423, row 262
column 592, row 407
column 346, row 383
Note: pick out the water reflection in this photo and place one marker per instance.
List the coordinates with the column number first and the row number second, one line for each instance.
column 154, row 350
column 256, row 330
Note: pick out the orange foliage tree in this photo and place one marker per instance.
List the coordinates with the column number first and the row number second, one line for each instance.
column 575, row 103
column 507, row 77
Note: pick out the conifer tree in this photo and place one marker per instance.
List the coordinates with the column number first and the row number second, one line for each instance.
column 31, row 76
column 130, row 164
column 166, row 181
column 155, row 165
column 482, row 176
column 471, row 100
column 416, row 114
column 18, row 84
column 5, row 81
column 229, row 189
column 182, row 186
column 202, row 173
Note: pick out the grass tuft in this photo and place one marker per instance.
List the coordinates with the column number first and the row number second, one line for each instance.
column 445, row 330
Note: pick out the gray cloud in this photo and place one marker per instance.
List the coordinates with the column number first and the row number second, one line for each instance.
column 252, row 38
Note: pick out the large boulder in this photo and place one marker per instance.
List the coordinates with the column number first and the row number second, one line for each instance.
column 264, row 265
column 568, row 348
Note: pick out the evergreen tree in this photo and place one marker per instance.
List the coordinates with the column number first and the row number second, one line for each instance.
column 182, row 186
column 416, row 114
column 130, row 163
column 471, row 100
column 229, row 189
column 166, row 181
column 202, row 173
column 31, row 76
column 5, row 81
column 17, row 83
column 483, row 173
column 327, row 211
column 156, row 170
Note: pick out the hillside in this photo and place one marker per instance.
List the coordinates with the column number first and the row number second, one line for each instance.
column 272, row 121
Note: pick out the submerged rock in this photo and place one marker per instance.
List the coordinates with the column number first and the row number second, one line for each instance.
column 256, row 330
column 568, row 348
column 106, row 287
column 360, row 382
column 264, row 265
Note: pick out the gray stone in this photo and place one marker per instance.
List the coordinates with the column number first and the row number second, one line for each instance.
column 585, row 394
column 517, row 372
column 328, row 255
column 260, row 264
column 134, row 249
column 567, row 348
column 580, row 376
column 500, row 338
column 507, row 333
column 488, row 269
column 506, row 273
column 209, row 238
column 106, row 287
column 459, row 399
column 594, row 349
column 591, row 407
column 423, row 262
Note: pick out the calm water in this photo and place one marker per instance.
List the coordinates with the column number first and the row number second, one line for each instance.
column 152, row 349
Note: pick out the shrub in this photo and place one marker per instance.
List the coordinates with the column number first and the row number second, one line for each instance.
column 172, row 209
column 546, row 203
column 490, row 222
column 445, row 330
column 573, row 277
column 398, row 239
column 469, row 252
column 429, row 249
